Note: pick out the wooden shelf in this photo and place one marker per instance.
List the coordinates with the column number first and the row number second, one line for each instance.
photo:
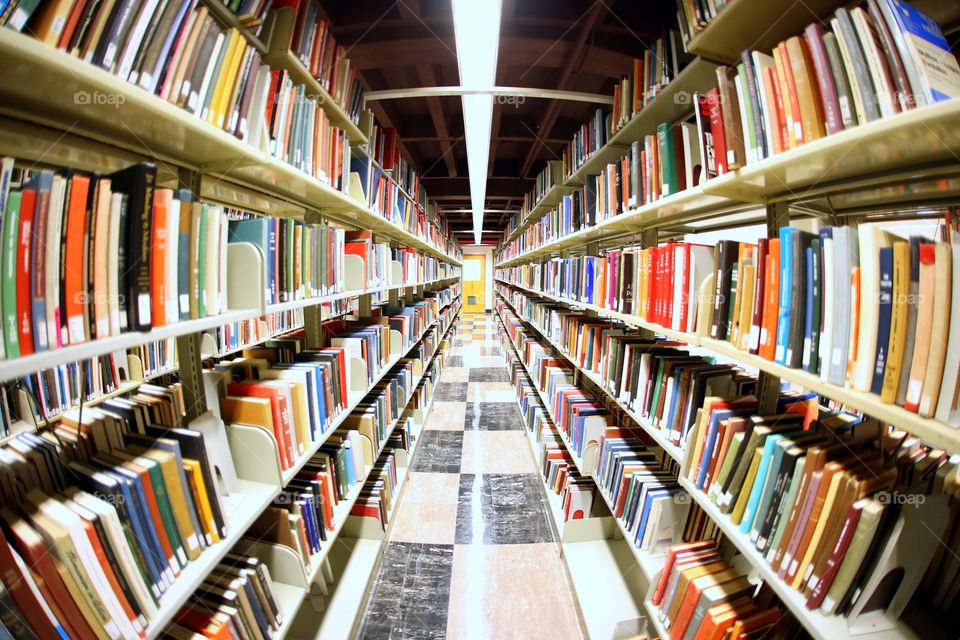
column 927, row 429
column 230, row 20
column 755, row 25
column 902, row 148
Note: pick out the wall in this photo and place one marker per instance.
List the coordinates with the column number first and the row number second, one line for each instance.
column 488, row 276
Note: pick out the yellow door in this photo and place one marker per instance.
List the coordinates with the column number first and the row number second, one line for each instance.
column 474, row 284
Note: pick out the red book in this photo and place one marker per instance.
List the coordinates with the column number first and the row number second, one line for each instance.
column 28, row 202
column 33, row 549
column 793, row 97
column 162, row 198
column 197, row 618
column 675, row 553
column 823, row 585
column 813, row 34
column 282, row 428
column 26, row 599
column 107, row 569
column 771, row 294
column 342, row 366
column 74, row 285
column 716, row 129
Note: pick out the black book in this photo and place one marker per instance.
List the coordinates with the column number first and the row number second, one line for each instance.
column 802, row 240
column 727, row 252
column 137, row 183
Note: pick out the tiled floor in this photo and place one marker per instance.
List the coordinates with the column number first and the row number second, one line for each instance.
column 472, row 553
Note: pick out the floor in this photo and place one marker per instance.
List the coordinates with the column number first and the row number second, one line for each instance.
column 472, row 552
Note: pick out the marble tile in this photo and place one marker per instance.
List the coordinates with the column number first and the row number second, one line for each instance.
column 511, row 591
column 455, row 374
column 492, row 416
column 496, row 452
column 502, row 509
column 489, row 374
column 411, row 593
column 491, row 351
column 483, row 362
column 438, row 452
column 451, row 392
column 491, row 392
column 428, row 512
column 446, row 416
column 454, row 361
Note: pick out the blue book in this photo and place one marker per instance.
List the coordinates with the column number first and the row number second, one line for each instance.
column 588, row 286
column 931, row 67
column 884, row 319
column 757, row 490
column 810, row 274
column 652, row 495
column 786, row 293
column 183, row 253
column 271, row 258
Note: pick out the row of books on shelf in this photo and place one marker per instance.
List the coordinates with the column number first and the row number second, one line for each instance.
column 869, row 66
column 801, row 483
column 126, row 256
column 238, row 599
column 141, row 484
column 701, row 596
column 662, row 62
column 103, row 513
column 300, row 133
column 250, row 12
column 858, row 306
column 312, row 41
column 303, row 516
column 638, row 482
column 384, row 149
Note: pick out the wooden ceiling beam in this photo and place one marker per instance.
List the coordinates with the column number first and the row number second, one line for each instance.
column 580, row 49
column 429, row 79
column 494, row 132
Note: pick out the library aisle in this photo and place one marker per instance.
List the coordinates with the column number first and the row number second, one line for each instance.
column 472, row 552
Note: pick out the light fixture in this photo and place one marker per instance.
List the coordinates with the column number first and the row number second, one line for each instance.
column 476, row 26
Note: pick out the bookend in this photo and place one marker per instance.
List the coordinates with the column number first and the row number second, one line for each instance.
column 246, row 277
column 354, row 273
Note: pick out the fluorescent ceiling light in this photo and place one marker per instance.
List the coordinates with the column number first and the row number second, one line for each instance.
column 476, row 26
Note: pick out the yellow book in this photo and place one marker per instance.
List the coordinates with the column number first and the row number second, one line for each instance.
column 747, row 488
column 696, row 439
column 300, row 412
column 898, row 321
column 644, row 282
column 746, row 305
column 199, row 489
column 940, row 334
column 223, row 77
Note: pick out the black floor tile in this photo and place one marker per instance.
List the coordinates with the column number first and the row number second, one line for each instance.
column 489, row 374
column 450, row 392
column 439, row 452
column 502, row 509
column 411, row 594
column 492, row 416
column 455, row 361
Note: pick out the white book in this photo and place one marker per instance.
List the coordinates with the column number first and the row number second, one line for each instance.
column 135, row 35
column 931, row 68
column 117, row 324
column 742, row 97
column 851, row 76
column 872, row 238
column 876, row 63
column 761, row 64
column 948, row 408
column 212, row 270
column 827, row 304
column 198, row 94
column 702, row 266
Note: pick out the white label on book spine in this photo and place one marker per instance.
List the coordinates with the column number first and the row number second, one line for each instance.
column 914, row 388
column 185, row 303
column 143, row 307
column 75, row 327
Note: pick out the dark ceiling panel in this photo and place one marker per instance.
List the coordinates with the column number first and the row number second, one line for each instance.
column 575, row 45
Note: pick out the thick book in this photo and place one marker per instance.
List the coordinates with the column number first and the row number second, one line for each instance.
column 885, row 319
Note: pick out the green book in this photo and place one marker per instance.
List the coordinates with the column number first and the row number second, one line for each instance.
column 743, row 94
column 728, row 459
column 780, row 524
column 11, row 227
column 202, row 261
column 163, row 505
column 288, row 247
column 668, row 159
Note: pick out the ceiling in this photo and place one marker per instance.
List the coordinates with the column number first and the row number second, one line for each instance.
column 571, row 45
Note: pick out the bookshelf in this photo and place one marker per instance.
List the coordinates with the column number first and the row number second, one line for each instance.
column 927, row 429
column 902, row 148
column 51, row 89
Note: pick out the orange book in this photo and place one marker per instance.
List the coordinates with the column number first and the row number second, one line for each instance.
column 760, row 620
column 720, row 618
column 793, row 113
column 210, row 624
column 854, row 325
column 692, row 596
column 74, row 285
column 162, row 198
column 771, row 295
column 806, row 91
column 925, row 309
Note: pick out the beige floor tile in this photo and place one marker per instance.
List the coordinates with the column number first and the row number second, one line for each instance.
column 491, row 392
column 478, row 361
column 447, row 416
column 510, row 591
column 496, row 452
column 455, row 374
column 428, row 510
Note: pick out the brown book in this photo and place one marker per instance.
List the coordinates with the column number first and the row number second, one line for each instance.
column 830, row 470
column 813, row 36
column 730, row 109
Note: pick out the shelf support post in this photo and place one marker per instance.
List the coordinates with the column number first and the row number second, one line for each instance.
column 191, row 375
column 313, row 326
column 365, row 302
